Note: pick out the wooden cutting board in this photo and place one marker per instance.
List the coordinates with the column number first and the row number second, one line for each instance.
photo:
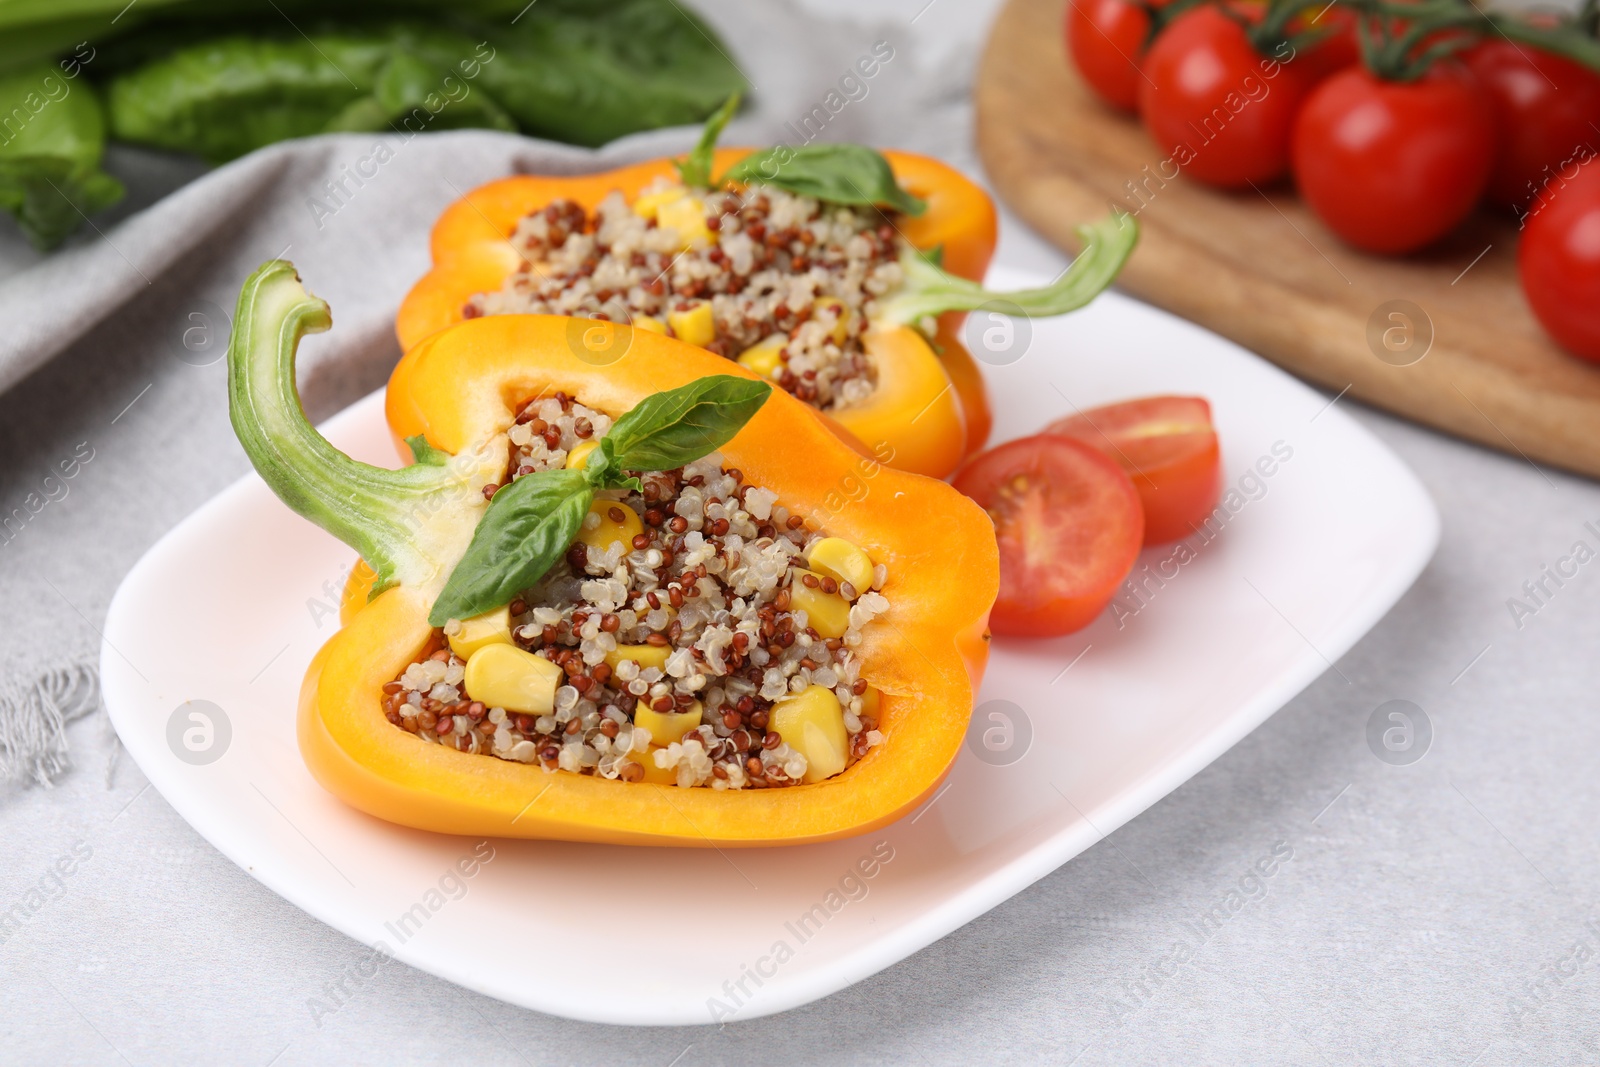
column 1259, row 268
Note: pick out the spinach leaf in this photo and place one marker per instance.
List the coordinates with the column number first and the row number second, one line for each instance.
column 679, row 426
column 836, row 173
column 222, row 97
column 220, row 78
column 52, row 137
column 528, row 526
column 590, row 71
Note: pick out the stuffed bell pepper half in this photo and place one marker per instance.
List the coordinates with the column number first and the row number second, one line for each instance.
column 840, row 274
column 655, row 601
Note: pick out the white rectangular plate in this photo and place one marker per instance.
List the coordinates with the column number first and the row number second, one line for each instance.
column 231, row 605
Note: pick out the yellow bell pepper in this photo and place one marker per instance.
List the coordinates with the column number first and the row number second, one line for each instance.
column 929, row 408
column 450, row 403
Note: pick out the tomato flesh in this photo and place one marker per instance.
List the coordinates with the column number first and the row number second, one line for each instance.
column 1069, row 526
column 1106, row 39
column 1559, row 261
column 1168, row 447
column 1393, row 166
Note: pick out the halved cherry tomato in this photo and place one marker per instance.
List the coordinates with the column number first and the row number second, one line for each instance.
column 1220, row 110
column 1559, row 260
column 1394, row 166
column 1546, row 109
column 1168, row 446
column 1106, row 40
column 1069, row 525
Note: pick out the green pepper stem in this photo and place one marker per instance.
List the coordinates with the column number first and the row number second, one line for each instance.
column 410, row 525
column 928, row 290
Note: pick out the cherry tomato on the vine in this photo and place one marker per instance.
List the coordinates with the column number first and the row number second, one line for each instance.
column 1559, row 260
column 1393, row 166
column 1221, row 110
column 1547, row 110
column 1069, row 525
column 1335, row 51
column 1167, row 446
column 1107, row 39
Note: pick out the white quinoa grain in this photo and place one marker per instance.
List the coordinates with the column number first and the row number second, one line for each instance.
column 717, row 605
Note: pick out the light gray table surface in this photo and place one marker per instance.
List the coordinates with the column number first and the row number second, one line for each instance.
column 1435, row 913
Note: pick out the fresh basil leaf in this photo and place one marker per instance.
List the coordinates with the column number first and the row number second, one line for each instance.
column 681, row 425
column 604, row 472
column 837, row 173
column 531, row 522
column 694, row 170
column 528, row 527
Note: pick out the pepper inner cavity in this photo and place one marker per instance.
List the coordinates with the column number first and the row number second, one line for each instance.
column 696, row 633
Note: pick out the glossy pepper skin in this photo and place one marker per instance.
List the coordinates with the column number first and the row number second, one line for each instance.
column 930, row 411
column 462, row 387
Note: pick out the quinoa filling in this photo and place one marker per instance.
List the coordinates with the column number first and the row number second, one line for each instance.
column 697, row 632
column 782, row 283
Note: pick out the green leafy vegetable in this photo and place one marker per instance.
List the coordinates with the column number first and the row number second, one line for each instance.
column 837, row 173
column 220, row 78
column 224, row 97
column 669, row 429
column 52, row 137
column 529, row 525
column 532, row 522
column 590, row 71
column 695, row 169
column 928, row 290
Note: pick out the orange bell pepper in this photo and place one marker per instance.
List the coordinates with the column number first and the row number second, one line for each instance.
column 461, row 389
column 929, row 410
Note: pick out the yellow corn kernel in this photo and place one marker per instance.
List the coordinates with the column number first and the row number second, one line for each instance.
column 579, row 456
column 667, row 726
column 686, row 215
column 826, row 613
column 650, row 323
column 763, row 357
column 813, row 723
column 490, row 628
column 649, row 205
column 644, row 655
column 504, row 676
column 696, row 326
column 841, row 327
column 652, row 773
column 842, row 561
column 870, row 702
column 601, row 527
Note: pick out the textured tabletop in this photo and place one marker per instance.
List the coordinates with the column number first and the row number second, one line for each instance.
column 1431, row 911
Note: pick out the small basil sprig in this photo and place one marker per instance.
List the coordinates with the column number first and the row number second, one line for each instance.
column 669, row 429
column 837, row 173
column 532, row 522
column 694, row 170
